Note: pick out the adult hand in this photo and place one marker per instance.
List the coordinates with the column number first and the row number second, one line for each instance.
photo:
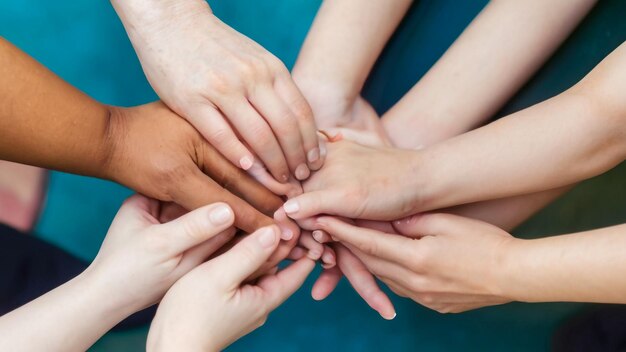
column 212, row 306
column 238, row 95
column 360, row 182
column 159, row 154
column 444, row 262
column 143, row 254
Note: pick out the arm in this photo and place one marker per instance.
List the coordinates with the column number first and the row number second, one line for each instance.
column 497, row 53
column 139, row 244
column 224, row 84
column 46, row 122
column 457, row 264
column 576, row 135
column 342, row 46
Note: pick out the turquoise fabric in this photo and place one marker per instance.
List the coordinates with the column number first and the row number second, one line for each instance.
column 84, row 42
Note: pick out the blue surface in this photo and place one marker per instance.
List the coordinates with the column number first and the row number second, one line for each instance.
column 84, row 42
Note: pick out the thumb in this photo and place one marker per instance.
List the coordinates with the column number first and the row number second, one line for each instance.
column 197, row 226
column 246, row 257
column 314, row 203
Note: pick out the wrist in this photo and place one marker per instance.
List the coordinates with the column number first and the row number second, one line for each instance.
column 107, row 305
column 320, row 90
column 111, row 144
column 142, row 17
column 505, row 282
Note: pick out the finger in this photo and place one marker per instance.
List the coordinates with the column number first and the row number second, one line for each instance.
column 382, row 226
column 196, row 226
column 291, row 95
column 329, row 258
column 379, row 244
column 137, row 209
column 199, row 190
column 297, row 253
column 285, row 127
column 288, row 228
column 246, row 257
column 282, row 285
column 258, row 135
column 315, row 249
column 170, row 211
column 214, row 127
column 385, row 269
column 314, row 203
column 326, row 283
column 322, row 236
column 367, row 138
column 200, row 253
column 291, row 188
column 432, row 224
column 364, row 283
column 237, row 181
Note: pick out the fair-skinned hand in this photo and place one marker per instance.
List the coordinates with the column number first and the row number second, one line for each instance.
column 238, row 95
column 212, row 306
column 356, row 182
column 444, row 262
column 144, row 254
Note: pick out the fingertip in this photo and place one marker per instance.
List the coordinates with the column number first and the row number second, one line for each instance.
column 221, row 214
column 267, row 237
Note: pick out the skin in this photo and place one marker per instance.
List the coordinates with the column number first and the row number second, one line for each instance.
column 161, row 244
column 207, row 310
column 482, row 69
column 519, row 154
column 85, row 137
column 338, row 54
column 452, row 264
column 225, row 85
column 141, row 257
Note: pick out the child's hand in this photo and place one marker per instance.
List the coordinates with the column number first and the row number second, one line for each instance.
column 143, row 255
column 211, row 307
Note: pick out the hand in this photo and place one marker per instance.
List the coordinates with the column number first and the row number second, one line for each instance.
column 226, row 85
column 444, row 262
column 212, row 306
column 359, row 182
column 157, row 153
column 354, row 118
column 144, row 252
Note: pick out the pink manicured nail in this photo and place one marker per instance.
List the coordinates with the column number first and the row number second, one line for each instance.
column 291, row 206
column 267, row 237
column 245, row 162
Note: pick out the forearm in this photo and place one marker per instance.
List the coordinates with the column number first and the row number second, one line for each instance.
column 574, row 136
column 497, row 53
column 46, row 122
column 508, row 213
column 343, row 44
column 72, row 317
column 582, row 267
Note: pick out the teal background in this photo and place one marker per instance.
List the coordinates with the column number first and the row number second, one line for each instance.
column 84, row 42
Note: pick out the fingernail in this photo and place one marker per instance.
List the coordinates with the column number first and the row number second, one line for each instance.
column 302, row 172
column 267, row 238
column 286, row 234
column 322, row 149
column 291, row 206
column 328, row 258
column 245, row 162
column 317, row 235
column 390, row 317
column 314, row 254
column 220, row 215
column 313, row 155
